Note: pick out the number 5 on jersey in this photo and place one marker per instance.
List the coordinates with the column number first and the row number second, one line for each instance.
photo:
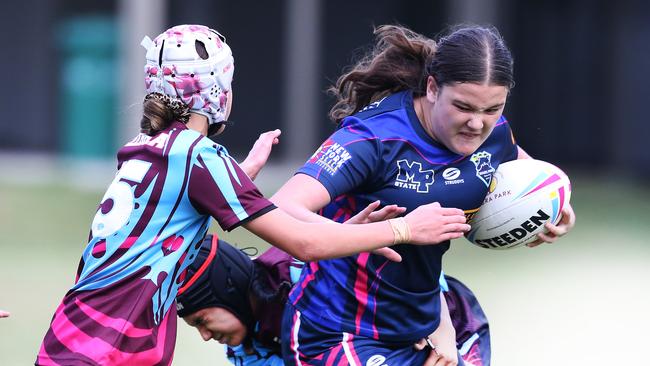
column 119, row 198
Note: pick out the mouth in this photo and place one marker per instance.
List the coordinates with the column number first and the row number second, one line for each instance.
column 469, row 135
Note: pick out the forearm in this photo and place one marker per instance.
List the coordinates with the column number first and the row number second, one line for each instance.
column 322, row 240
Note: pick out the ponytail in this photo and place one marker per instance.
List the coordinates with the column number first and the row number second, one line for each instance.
column 159, row 111
column 398, row 62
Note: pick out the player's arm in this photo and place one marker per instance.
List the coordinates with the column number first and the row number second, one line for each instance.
column 567, row 222
column 310, row 241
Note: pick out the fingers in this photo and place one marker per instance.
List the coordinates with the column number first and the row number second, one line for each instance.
column 437, row 359
column 389, row 253
column 4, row 314
column 419, row 346
column 387, row 212
column 362, row 216
column 369, row 209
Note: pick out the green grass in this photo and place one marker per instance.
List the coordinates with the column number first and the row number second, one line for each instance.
column 582, row 301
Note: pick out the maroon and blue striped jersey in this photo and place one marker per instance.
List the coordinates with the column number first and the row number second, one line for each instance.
column 146, row 231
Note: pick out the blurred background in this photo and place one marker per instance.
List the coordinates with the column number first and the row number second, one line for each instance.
column 73, row 71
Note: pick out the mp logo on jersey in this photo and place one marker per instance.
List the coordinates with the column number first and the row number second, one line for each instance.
column 483, row 164
column 331, row 156
column 410, row 175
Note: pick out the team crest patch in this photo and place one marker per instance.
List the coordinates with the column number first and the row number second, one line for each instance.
column 330, row 156
column 483, row 164
column 410, row 175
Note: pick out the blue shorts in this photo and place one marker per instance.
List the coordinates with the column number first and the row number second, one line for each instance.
column 306, row 343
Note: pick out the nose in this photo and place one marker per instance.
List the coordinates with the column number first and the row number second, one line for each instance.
column 205, row 334
column 475, row 122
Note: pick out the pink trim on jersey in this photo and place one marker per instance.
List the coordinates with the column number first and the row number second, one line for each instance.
column 313, row 266
column 344, row 213
column 99, row 350
column 361, row 288
column 120, row 325
column 373, row 288
column 350, row 352
column 332, row 355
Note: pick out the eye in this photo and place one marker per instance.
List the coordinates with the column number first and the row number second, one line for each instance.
column 462, row 107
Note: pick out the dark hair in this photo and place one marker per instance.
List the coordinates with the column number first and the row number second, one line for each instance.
column 159, row 111
column 402, row 59
column 472, row 54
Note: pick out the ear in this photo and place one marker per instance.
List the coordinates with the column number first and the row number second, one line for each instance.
column 432, row 89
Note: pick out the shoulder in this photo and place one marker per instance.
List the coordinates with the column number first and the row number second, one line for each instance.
column 384, row 105
column 380, row 118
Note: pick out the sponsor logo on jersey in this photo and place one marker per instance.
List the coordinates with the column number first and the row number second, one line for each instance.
column 451, row 176
column 411, row 176
column 483, row 164
column 372, row 105
column 330, row 156
column 376, row 360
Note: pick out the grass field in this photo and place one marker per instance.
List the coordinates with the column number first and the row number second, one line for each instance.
column 583, row 301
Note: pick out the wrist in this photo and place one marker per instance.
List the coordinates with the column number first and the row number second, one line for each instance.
column 401, row 230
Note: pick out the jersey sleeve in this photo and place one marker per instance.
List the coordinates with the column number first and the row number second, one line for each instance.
column 218, row 187
column 346, row 160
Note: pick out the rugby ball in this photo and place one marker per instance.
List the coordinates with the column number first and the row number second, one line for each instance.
column 523, row 195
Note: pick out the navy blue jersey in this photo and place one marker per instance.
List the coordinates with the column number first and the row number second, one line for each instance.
column 383, row 153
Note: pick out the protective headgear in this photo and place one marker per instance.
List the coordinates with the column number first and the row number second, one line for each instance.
column 194, row 64
column 220, row 276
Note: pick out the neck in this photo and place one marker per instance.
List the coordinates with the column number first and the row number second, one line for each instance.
column 419, row 104
column 199, row 123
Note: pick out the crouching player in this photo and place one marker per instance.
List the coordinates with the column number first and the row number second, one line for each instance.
column 239, row 302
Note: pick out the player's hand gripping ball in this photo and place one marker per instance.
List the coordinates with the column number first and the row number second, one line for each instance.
column 523, row 195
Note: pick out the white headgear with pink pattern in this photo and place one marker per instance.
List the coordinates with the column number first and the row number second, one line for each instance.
column 176, row 68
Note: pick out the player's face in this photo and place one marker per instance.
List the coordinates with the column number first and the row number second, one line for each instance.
column 218, row 324
column 463, row 115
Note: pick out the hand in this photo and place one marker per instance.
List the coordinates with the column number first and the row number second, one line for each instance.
column 259, row 153
column 4, row 314
column 432, row 224
column 442, row 347
column 567, row 222
column 369, row 214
